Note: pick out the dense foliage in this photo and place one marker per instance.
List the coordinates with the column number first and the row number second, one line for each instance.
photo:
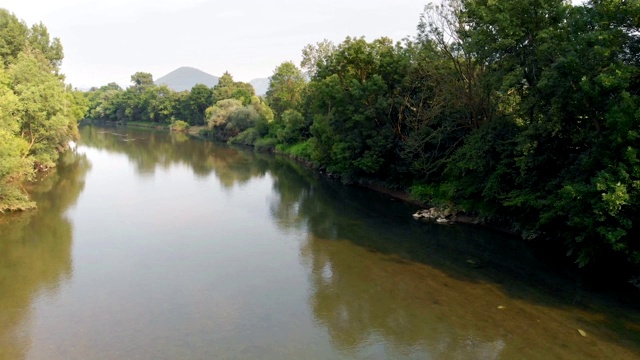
column 523, row 113
column 526, row 114
column 38, row 112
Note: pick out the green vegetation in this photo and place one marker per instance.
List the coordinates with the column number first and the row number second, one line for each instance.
column 523, row 113
column 38, row 113
column 179, row 126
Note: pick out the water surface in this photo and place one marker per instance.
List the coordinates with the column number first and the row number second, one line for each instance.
column 149, row 245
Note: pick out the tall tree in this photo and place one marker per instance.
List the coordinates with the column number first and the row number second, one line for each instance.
column 13, row 36
column 227, row 88
column 353, row 98
column 38, row 113
column 15, row 163
column 315, row 56
column 142, row 80
column 51, row 49
column 286, row 88
column 45, row 110
column 200, row 98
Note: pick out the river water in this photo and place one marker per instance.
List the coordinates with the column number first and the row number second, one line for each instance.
column 149, row 245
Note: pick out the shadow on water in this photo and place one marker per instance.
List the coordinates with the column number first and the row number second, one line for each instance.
column 463, row 254
column 35, row 251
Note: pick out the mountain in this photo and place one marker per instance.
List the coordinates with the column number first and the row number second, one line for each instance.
column 261, row 85
column 185, row 78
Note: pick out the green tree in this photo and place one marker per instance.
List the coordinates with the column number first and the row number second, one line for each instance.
column 13, row 36
column 101, row 102
column 38, row 113
column 353, row 99
column 286, row 88
column 229, row 89
column 142, row 80
column 293, row 127
column 46, row 118
column 38, row 38
column 160, row 104
column 577, row 161
column 315, row 56
column 218, row 114
column 15, row 163
column 561, row 159
column 199, row 100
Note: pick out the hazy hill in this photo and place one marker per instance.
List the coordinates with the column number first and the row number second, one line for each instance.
column 260, row 85
column 185, row 78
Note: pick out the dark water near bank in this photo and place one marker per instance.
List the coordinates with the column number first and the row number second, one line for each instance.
column 154, row 246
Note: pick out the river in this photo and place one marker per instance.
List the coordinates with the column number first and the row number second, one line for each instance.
column 148, row 245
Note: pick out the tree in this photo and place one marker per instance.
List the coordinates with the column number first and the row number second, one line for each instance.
column 15, row 163
column 577, row 159
column 442, row 29
column 293, row 128
column 353, row 102
column 229, row 89
column 45, row 114
column 160, row 104
column 286, row 88
column 218, row 114
column 315, row 56
column 38, row 113
column 38, row 38
column 142, row 80
column 13, row 36
column 199, row 100
column 561, row 157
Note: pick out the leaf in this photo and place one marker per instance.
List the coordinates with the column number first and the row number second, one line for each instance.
column 582, row 332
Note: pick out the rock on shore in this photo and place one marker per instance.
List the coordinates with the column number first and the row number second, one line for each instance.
column 441, row 216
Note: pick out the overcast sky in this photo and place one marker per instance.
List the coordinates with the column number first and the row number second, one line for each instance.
column 109, row 40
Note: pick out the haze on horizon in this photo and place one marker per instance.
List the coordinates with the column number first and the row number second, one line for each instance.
column 107, row 41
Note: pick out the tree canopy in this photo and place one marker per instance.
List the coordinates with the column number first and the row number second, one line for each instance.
column 38, row 112
column 524, row 114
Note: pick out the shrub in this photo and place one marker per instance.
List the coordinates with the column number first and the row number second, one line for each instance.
column 180, row 126
column 301, row 150
column 247, row 137
column 266, row 143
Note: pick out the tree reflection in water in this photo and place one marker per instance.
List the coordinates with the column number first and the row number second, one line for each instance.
column 231, row 166
column 385, row 285
column 35, row 251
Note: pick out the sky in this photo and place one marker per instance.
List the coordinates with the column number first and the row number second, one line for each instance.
column 109, row 40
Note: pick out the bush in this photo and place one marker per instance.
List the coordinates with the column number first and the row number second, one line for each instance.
column 266, row 143
column 301, row 150
column 247, row 137
column 434, row 194
column 240, row 120
column 180, row 126
column 206, row 133
column 291, row 132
